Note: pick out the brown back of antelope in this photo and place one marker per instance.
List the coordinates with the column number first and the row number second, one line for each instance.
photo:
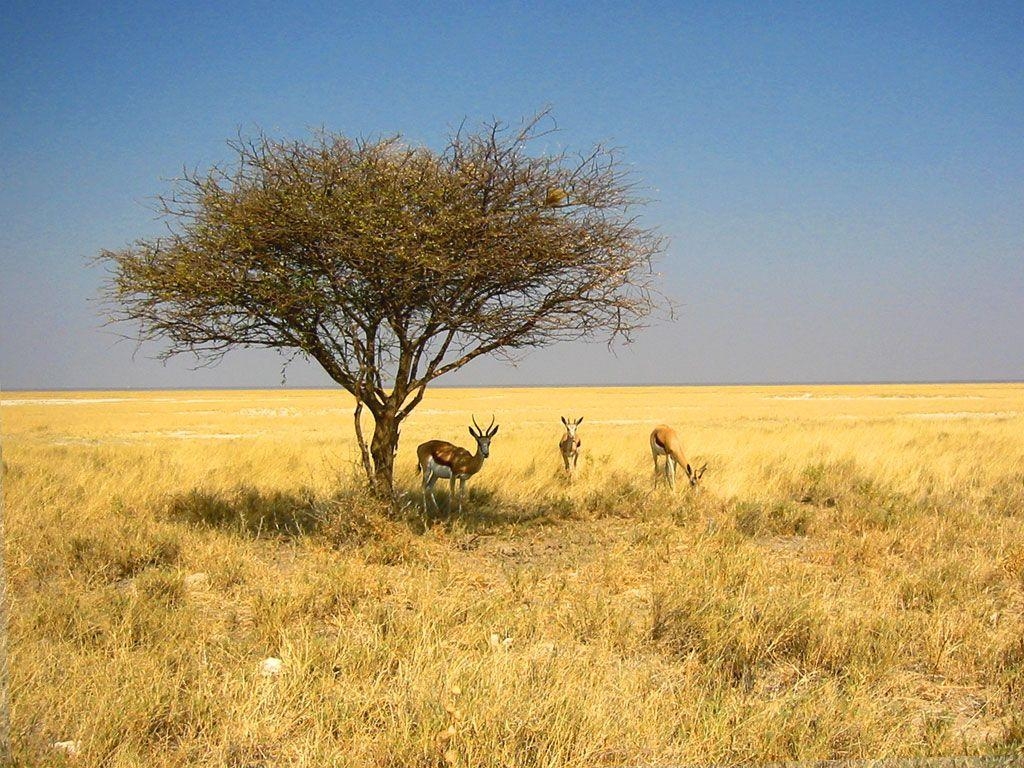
column 665, row 442
column 441, row 459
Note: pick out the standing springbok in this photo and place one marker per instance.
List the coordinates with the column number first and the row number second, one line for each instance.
column 665, row 442
column 570, row 445
column 438, row 458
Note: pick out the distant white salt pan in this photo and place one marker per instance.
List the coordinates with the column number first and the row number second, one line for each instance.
column 145, row 437
column 964, row 415
column 809, row 396
column 184, row 434
column 95, row 441
column 268, row 412
column 93, row 400
column 63, row 400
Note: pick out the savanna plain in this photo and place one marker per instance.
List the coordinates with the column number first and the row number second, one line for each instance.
column 848, row 582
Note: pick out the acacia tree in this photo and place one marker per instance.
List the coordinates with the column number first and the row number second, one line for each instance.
column 391, row 264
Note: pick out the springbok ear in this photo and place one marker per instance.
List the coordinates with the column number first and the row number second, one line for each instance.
column 564, row 421
column 700, row 472
column 689, row 471
column 579, row 421
column 493, row 432
column 474, row 434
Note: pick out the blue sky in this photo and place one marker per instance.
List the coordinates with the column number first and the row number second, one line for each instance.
column 842, row 184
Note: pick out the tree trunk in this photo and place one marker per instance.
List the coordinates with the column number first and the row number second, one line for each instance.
column 383, row 448
column 364, row 451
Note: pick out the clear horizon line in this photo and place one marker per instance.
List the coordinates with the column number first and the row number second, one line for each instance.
column 585, row 385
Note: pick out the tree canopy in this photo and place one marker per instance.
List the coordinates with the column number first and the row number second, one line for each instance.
column 392, row 264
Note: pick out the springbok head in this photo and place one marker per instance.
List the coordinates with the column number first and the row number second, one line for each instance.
column 570, row 425
column 695, row 476
column 483, row 437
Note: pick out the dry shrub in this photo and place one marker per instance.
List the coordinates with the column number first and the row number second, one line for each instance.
column 248, row 511
column 1006, row 497
column 773, row 518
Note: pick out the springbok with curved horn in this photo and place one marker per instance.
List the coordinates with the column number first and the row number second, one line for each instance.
column 570, row 445
column 665, row 442
column 438, row 458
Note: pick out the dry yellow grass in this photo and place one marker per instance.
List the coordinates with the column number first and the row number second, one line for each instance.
column 849, row 584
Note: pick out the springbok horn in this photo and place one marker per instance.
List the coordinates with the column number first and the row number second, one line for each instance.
column 491, row 425
column 479, row 431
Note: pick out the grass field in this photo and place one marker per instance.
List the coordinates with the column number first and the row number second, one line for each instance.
column 849, row 582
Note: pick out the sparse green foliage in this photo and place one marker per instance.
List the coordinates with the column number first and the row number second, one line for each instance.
column 390, row 264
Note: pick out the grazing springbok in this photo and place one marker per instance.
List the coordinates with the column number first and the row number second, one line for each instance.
column 570, row 445
column 438, row 458
column 665, row 442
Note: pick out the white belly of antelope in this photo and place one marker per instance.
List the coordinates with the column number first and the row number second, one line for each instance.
column 438, row 470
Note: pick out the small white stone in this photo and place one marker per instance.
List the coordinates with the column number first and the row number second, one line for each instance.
column 499, row 643
column 271, row 667
column 70, row 748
